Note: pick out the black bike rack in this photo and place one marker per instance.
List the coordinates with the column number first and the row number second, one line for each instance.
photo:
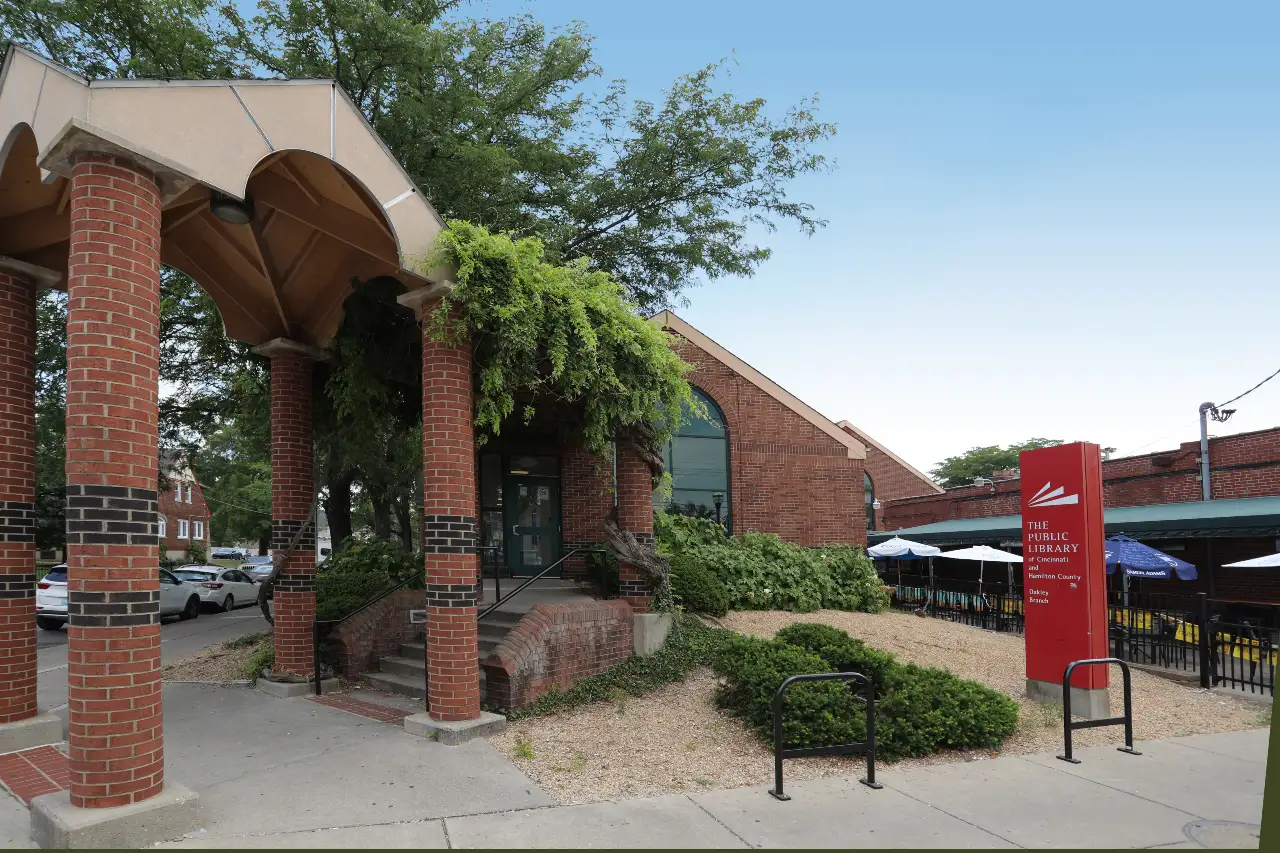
column 867, row 747
column 1068, row 726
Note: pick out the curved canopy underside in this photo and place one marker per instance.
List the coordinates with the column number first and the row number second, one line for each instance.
column 329, row 201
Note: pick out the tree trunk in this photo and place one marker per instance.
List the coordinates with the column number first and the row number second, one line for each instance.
column 264, row 543
column 404, row 517
column 381, row 514
column 338, row 508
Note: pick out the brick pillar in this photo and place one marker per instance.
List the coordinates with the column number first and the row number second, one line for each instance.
column 449, row 506
column 113, row 638
column 635, row 515
column 17, row 497
column 292, row 491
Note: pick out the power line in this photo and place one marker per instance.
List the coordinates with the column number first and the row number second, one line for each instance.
column 1251, row 390
column 235, row 506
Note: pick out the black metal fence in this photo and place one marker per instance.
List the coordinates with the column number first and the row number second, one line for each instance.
column 1225, row 643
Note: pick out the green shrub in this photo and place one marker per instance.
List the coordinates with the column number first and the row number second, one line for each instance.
column 816, row 714
column 196, row 553
column 840, row 651
column 602, row 569
column 919, row 710
column 696, row 589
column 760, row 571
column 260, row 661
column 360, row 571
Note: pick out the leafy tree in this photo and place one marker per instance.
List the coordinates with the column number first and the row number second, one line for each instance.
column 51, row 419
column 983, row 462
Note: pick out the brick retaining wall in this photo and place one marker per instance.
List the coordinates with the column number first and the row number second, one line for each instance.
column 557, row 645
column 377, row 631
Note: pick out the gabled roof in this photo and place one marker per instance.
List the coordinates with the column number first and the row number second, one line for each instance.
column 845, row 425
column 668, row 321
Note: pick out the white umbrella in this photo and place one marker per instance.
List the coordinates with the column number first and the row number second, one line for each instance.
column 1269, row 562
column 904, row 549
column 896, row 547
column 984, row 554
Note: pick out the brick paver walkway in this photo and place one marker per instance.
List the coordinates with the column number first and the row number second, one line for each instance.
column 34, row 772
column 372, row 710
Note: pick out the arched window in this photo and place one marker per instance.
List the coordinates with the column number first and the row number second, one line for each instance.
column 164, row 526
column 869, row 498
column 697, row 458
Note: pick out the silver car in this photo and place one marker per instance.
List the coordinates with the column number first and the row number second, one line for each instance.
column 176, row 598
column 258, row 571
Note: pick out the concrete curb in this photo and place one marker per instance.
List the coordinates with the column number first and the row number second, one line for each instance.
column 170, row 814
column 238, row 684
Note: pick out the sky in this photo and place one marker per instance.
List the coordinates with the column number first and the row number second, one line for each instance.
column 1044, row 222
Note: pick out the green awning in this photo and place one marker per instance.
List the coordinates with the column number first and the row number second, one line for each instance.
column 1219, row 518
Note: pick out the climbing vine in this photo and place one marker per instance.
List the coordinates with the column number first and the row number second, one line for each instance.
column 562, row 336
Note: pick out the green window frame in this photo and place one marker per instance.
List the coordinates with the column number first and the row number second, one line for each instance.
column 697, row 458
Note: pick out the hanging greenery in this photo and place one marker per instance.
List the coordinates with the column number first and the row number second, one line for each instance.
column 559, row 335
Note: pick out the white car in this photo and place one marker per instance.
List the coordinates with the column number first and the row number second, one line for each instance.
column 221, row 587
column 176, row 598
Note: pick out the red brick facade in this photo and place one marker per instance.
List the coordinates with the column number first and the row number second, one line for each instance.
column 175, row 509
column 786, row 476
column 555, row 646
column 1241, row 466
column 292, row 491
column 17, row 498
column 449, row 506
column 635, row 516
column 113, row 638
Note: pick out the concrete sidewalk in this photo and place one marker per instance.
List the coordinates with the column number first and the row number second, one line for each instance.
column 294, row 773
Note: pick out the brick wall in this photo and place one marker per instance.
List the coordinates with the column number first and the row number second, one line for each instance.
column 377, row 632
column 1241, row 466
column 786, row 476
column 557, row 645
column 175, row 510
column 586, row 497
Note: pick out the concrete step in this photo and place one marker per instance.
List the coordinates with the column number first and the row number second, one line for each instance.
column 401, row 685
column 505, row 619
column 414, row 667
column 415, row 651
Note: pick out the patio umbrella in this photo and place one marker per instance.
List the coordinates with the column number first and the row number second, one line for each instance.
column 1269, row 562
column 1143, row 561
column 903, row 549
column 984, row 554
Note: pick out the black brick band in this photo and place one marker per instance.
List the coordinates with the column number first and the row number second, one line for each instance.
column 17, row 521
column 18, row 586
column 111, row 515
column 644, row 538
column 115, row 609
column 284, row 529
column 452, row 594
column 304, row 582
column 449, row 534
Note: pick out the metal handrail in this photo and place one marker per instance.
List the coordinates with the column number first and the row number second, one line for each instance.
column 321, row 628
column 501, row 601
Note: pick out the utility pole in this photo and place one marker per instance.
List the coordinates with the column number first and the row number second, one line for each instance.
column 1208, row 410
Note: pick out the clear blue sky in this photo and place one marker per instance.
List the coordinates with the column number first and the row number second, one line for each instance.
column 1061, row 223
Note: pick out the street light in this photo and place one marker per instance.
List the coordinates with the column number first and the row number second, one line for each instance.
column 717, row 498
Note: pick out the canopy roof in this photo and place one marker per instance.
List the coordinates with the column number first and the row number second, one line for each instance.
column 1239, row 517
column 1143, row 561
column 330, row 201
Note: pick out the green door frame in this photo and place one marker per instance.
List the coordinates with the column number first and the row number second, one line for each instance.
column 511, row 484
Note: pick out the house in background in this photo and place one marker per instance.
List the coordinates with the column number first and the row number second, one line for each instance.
column 183, row 514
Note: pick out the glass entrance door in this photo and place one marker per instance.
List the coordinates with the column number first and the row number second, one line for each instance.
column 532, row 510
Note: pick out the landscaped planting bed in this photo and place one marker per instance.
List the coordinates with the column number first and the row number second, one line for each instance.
column 676, row 739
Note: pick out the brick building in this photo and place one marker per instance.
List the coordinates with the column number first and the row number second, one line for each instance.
column 182, row 514
column 888, row 477
column 1155, row 497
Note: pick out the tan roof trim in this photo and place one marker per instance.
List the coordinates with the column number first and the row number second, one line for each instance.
column 895, row 457
column 668, row 320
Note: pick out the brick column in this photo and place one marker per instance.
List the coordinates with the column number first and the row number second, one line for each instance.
column 17, row 496
column 113, row 638
column 635, row 515
column 449, row 506
column 292, row 491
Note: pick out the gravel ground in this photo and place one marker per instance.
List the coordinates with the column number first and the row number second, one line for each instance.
column 222, row 663
column 676, row 740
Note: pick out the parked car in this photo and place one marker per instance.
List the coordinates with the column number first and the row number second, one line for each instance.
column 220, row 587
column 259, row 571
column 258, row 561
column 227, row 554
column 176, row 598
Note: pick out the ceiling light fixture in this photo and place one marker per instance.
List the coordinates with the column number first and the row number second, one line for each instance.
column 231, row 210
